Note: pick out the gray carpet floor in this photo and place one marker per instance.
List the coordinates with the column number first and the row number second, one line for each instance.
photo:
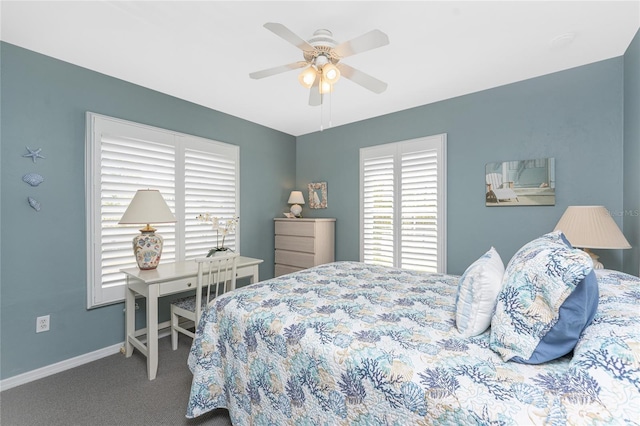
column 111, row 391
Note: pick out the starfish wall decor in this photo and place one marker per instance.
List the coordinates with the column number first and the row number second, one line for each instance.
column 33, row 153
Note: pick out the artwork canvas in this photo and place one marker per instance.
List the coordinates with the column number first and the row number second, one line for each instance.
column 318, row 195
column 520, row 183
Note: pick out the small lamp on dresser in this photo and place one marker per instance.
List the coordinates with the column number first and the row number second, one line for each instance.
column 591, row 227
column 296, row 198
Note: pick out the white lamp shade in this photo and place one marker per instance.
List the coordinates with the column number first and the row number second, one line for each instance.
column 325, row 87
column 591, row 227
column 307, row 77
column 147, row 206
column 330, row 73
column 296, row 197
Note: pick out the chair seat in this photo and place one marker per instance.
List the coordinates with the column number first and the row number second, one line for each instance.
column 494, row 180
column 505, row 194
column 189, row 303
column 214, row 273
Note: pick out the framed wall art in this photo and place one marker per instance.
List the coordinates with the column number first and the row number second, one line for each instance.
column 520, row 183
column 318, row 195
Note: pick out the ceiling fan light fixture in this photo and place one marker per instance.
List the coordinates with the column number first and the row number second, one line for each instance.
column 325, row 87
column 330, row 73
column 307, row 77
column 321, row 53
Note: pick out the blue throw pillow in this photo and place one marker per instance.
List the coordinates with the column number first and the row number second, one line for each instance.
column 576, row 313
column 538, row 317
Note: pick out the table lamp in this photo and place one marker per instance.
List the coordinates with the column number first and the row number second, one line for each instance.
column 591, row 227
column 296, row 198
column 146, row 207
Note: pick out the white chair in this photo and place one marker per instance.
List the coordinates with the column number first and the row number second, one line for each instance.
column 494, row 183
column 214, row 273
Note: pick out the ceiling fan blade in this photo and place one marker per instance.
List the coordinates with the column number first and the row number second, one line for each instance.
column 285, row 33
column 315, row 98
column 371, row 40
column 277, row 70
column 361, row 78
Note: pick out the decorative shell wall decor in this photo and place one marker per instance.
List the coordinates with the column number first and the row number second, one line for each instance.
column 318, row 195
column 34, row 204
column 33, row 153
column 33, row 179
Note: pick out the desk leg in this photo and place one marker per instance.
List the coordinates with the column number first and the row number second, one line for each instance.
column 130, row 319
column 255, row 276
column 152, row 332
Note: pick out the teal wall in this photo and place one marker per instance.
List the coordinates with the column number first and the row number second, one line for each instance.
column 632, row 155
column 574, row 116
column 43, row 265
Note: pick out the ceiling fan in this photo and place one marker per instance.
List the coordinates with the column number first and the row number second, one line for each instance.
column 322, row 55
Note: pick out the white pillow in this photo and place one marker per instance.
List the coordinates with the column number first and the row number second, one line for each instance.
column 478, row 290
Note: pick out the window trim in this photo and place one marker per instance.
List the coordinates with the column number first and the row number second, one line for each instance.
column 97, row 295
column 434, row 142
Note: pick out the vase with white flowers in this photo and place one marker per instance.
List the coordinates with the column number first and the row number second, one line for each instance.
column 223, row 227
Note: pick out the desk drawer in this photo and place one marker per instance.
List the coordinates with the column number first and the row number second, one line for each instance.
column 291, row 227
column 292, row 258
column 288, row 242
column 178, row 286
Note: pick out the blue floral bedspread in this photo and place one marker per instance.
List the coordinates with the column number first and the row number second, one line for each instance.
column 353, row 344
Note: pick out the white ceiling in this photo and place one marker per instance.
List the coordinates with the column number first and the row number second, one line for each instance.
column 203, row 51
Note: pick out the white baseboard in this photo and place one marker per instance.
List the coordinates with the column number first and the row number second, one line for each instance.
column 58, row 367
column 67, row 364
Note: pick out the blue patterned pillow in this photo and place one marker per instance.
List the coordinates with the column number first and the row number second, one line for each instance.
column 478, row 289
column 537, row 282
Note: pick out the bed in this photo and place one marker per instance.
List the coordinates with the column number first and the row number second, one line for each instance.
column 348, row 343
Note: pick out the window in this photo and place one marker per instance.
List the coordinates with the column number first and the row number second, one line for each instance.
column 194, row 175
column 403, row 205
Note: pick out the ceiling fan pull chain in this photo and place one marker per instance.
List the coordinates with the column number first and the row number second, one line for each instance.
column 321, row 110
column 330, row 105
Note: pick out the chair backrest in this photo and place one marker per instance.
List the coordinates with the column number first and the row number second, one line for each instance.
column 495, row 179
column 213, row 273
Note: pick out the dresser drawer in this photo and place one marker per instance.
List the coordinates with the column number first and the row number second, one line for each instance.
column 292, row 258
column 284, row 269
column 291, row 227
column 288, row 242
column 303, row 243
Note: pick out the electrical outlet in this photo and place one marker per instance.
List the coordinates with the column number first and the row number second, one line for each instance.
column 42, row 323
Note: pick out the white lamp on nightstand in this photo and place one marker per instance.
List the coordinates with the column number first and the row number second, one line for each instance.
column 296, row 198
column 591, row 227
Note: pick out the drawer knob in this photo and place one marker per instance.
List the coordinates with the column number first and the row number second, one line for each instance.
column 188, row 284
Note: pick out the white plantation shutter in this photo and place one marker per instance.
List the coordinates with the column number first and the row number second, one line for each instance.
column 419, row 201
column 403, row 204
column 201, row 169
column 377, row 212
column 193, row 175
column 121, row 174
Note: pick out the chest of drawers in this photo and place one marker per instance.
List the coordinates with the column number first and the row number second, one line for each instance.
column 303, row 243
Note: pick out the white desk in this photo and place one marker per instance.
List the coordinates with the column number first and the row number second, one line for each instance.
column 166, row 279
